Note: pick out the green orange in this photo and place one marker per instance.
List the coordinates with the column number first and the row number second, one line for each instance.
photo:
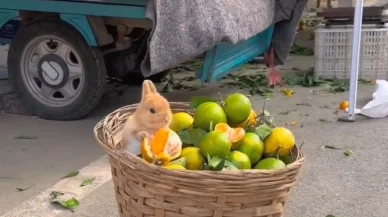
column 209, row 112
column 237, row 108
column 252, row 146
column 270, row 164
column 215, row 144
column 239, row 160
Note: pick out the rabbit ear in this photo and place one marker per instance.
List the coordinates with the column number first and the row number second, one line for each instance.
column 152, row 86
column 148, row 88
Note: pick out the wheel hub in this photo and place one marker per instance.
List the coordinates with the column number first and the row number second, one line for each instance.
column 53, row 71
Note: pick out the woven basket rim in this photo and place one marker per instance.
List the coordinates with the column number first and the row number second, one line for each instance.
column 120, row 154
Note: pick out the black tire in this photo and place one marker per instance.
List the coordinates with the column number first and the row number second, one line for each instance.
column 93, row 67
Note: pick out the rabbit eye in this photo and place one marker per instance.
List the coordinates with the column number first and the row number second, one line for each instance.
column 152, row 110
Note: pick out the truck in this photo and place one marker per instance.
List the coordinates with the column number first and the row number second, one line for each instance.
column 61, row 55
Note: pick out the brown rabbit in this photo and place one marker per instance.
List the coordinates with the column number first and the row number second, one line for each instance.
column 152, row 113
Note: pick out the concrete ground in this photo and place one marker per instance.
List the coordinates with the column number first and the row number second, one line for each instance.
column 37, row 153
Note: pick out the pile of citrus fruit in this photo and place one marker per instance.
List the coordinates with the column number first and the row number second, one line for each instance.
column 220, row 135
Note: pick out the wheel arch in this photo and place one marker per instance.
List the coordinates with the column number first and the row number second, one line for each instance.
column 79, row 22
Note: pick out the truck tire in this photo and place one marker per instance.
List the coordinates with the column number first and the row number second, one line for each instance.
column 55, row 71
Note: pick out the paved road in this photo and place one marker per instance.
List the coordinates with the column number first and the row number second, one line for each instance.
column 330, row 183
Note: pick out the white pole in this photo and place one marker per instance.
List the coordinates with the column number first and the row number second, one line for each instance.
column 355, row 59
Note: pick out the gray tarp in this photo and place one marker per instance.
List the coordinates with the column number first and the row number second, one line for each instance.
column 186, row 28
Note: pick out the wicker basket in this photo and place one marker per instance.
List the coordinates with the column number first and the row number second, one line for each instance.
column 145, row 190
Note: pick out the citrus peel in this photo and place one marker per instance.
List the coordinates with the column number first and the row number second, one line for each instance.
column 235, row 134
column 163, row 147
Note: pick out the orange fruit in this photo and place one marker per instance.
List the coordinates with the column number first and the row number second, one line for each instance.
column 215, row 144
column 194, row 158
column 344, row 105
column 251, row 120
column 235, row 134
column 280, row 138
column 208, row 112
column 239, row 160
column 162, row 148
column 252, row 146
column 270, row 164
column 237, row 108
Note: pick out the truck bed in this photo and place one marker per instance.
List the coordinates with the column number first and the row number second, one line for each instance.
column 108, row 8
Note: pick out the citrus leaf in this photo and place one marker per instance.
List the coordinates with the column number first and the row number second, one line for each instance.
column 220, row 166
column 214, row 162
column 211, row 127
column 330, row 216
column 185, row 137
column 87, row 182
column 196, row 135
column 229, row 166
column 72, row 174
column 263, row 131
column 60, row 202
column 23, row 189
column 55, row 194
column 181, row 161
column 198, row 100
column 72, row 204
column 208, row 158
column 348, row 152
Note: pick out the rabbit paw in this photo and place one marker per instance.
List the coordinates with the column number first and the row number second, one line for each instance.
column 143, row 134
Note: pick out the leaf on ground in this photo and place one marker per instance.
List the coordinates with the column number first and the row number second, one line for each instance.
column 55, row 194
column 26, row 137
column 23, row 189
column 287, row 112
column 198, row 100
column 72, row 174
column 324, row 120
column 330, row 216
column 263, row 131
column 185, row 137
column 331, row 147
column 304, row 104
column 71, row 204
column 196, row 135
column 287, row 92
column 293, row 123
column 348, row 152
column 87, row 182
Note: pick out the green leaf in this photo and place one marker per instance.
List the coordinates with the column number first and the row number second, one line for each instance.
column 263, row 131
column 55, row 194
column 23, row 189
column 181, row 161
column 71, row 204
column 229, row 166
column 196, row 135
column 185, row 137
column 220, row 166
column 214, row 161
column 208, row 158
column 26, row 137
column 211, row 127
column 348, row 152
column 87, row 182
column 330, row 216
column 72, row 174
column 198, row 100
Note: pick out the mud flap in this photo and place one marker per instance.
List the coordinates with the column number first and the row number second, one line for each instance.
column 224, row 58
